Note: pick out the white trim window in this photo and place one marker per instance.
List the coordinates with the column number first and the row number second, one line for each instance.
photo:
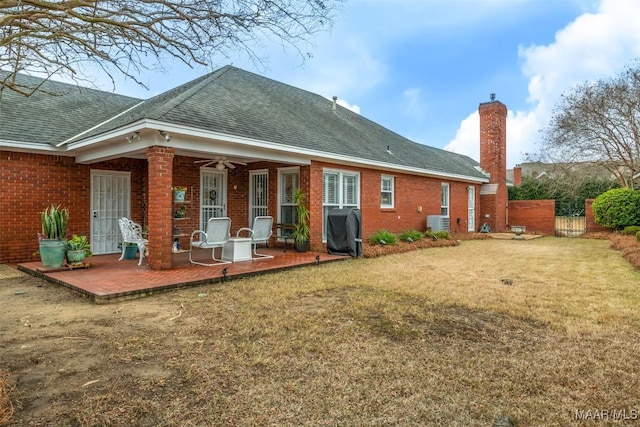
column 444, row 199
column 340, row 190
column 387, row 191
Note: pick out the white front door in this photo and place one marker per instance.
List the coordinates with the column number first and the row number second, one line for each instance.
column 213, row 195
column 110, row 200
column 471, row 220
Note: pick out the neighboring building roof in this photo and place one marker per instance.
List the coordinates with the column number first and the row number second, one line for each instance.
column 56, row 111
column 239, row 103
column 541, row 170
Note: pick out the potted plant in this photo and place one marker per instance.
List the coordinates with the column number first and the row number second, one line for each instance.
column 179, row 193
column 301, row 231
column 51, row 241
column 78, row 249
column 181, row 212
column 130, row 249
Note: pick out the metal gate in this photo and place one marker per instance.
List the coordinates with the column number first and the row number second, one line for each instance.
column 570, row 226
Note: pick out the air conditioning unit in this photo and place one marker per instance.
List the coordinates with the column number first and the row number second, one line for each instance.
column 438, row 222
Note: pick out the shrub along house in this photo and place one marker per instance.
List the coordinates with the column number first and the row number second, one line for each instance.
column 240, row 144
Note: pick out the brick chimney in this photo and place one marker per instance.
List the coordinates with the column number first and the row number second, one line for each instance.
column 517, row 175
column 493, row 159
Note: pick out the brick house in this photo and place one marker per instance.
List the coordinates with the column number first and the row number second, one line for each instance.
column 240, row 143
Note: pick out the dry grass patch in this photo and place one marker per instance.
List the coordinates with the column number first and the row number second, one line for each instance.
column 429, row 337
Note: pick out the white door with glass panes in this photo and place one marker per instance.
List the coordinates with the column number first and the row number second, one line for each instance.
column 258, row 194
column 288, row 182
column 110, row 201
column 471, row 220
column 213, row 195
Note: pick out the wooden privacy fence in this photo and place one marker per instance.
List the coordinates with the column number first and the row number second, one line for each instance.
column 570, row 226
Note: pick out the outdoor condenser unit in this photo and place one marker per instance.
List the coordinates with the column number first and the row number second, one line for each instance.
column 438, row 222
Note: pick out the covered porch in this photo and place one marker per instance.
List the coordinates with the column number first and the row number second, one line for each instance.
column 108, row 280
column 240, row 185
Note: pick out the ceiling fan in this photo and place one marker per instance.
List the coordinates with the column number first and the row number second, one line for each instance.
column 220, row 163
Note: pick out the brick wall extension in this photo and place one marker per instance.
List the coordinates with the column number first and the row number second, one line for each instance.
column 537, row 215
column 31, row 182
column 591, row 226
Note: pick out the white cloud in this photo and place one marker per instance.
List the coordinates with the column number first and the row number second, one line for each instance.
column 467, row 136
column 595, row 45
column 413, row 103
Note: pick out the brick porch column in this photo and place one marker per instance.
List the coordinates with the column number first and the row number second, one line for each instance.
column 159, row 210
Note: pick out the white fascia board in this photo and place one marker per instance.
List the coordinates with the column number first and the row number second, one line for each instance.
column 401, row 169
column 32, row 147
column 109, row 152
column 122, row 132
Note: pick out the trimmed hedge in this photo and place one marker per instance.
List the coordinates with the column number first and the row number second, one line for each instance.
column 617, row 208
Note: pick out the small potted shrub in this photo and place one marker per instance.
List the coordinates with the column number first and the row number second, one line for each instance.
column 78, row 249
column 51, row 241
column 301, row 231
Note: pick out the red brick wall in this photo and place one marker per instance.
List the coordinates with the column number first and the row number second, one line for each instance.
column 31, row 182
column 537, row 215
column 415, row 199
column 591, row 226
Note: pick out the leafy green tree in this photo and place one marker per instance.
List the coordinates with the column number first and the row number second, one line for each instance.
column 568, row 191
column 617, row 208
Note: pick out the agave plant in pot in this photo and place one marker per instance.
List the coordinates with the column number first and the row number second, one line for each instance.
column 78, row 249
column 51, row 241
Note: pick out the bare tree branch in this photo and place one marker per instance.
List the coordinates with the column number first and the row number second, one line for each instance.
column 128, row 36
column 599, row 122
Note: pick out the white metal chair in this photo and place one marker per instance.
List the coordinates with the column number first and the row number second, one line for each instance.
column 217, row 234
column 132, row 233
column 260, row 233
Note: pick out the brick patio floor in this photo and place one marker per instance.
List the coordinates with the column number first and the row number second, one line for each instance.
column 108, row 280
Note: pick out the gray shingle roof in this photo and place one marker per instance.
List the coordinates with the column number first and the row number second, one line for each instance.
column 56, row 112
column 236, row 102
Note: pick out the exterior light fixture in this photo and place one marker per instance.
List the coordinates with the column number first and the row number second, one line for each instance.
column 134, row 137
column 165, row 135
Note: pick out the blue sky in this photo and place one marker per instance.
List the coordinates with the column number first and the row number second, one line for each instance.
column 421, row 67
